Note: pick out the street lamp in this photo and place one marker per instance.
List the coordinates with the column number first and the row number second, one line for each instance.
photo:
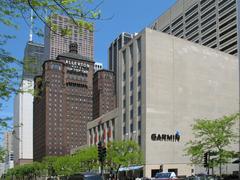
column 134, row 135
column 126, row 136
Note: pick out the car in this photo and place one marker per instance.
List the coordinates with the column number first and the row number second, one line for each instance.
column 85, row 176
column 202, row 177
column 165, row 176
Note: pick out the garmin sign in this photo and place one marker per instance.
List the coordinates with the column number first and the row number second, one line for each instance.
column 166, row 137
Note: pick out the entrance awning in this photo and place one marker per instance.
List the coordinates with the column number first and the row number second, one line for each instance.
column 130, row 168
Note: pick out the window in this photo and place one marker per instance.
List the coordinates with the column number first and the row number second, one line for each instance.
column 131, row 71
column 139, row 65
column 139, row 80
column 139, row 95
column 139, row 110
column 124, row 130
column 131, row 51
column 131, row 85
column 124, row 56
column 131, row 99
column 131, row 127
column 124, row 89
column 124, row 76
column 131, row 114
column 139, row 48
column 139, row 125
column 139, row 140
column 56, row 66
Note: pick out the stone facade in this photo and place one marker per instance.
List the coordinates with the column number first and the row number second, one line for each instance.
column 165, row 84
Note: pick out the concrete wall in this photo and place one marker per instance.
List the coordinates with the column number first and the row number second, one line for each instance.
column 184, row 82
column 175, row 11
column 23, row 121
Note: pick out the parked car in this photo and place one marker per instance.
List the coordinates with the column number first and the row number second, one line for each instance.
column 165, row 176
column 202, row 177
column 85, row 176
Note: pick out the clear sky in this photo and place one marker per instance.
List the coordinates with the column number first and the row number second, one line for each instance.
column 128, row 16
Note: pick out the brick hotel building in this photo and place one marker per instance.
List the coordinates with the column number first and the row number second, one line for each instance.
column 104, row 98
column 69, row 95
column 63, row 105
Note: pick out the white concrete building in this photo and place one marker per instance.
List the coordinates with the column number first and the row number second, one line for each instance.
column 8, row 146
column 165, row 84
column 23, row 104
column 103, row 128
column 23, row 123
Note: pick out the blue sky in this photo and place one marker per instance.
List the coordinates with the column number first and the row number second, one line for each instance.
column 128, row 16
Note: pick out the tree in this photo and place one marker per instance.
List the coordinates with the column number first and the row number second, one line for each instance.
column 81, row 161
column 123, row 153
column 28, row 171
column 87, row 158
column 213, row 136
column 80, row 12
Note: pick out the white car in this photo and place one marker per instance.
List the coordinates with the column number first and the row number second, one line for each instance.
column 165, row 176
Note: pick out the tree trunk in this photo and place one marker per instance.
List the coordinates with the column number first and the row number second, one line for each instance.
column 220, row 165
column 117, row 171
column 220, row 169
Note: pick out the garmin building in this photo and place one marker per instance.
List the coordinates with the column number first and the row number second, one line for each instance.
column 166, row 83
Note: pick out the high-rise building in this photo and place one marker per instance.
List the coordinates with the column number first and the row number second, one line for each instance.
column 63, row 104
column 23, row 104
column 117, row 44
column 56, row 44
column 33, row 59
column 211, row 23
column 113, row 56
column 104, row 97
column 165, row 83
column 8, row 146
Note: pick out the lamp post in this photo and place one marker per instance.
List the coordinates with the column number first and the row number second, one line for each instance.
column 126, row 137
column 134, row 135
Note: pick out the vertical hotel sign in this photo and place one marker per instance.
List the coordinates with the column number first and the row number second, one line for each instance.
column 238, row 55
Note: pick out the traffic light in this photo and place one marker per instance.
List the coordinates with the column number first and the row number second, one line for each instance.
column 100, row 151
column 104, row 153
column 205, row 163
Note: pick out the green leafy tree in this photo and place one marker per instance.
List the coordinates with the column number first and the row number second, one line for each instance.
column 27, row 171
column 63, row 166
column 123, row 153
column 83, row 160
column 80, row 12
column 216, row 136
column 88, row 159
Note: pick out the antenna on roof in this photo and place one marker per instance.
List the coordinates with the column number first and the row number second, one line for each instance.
column 31, row 27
